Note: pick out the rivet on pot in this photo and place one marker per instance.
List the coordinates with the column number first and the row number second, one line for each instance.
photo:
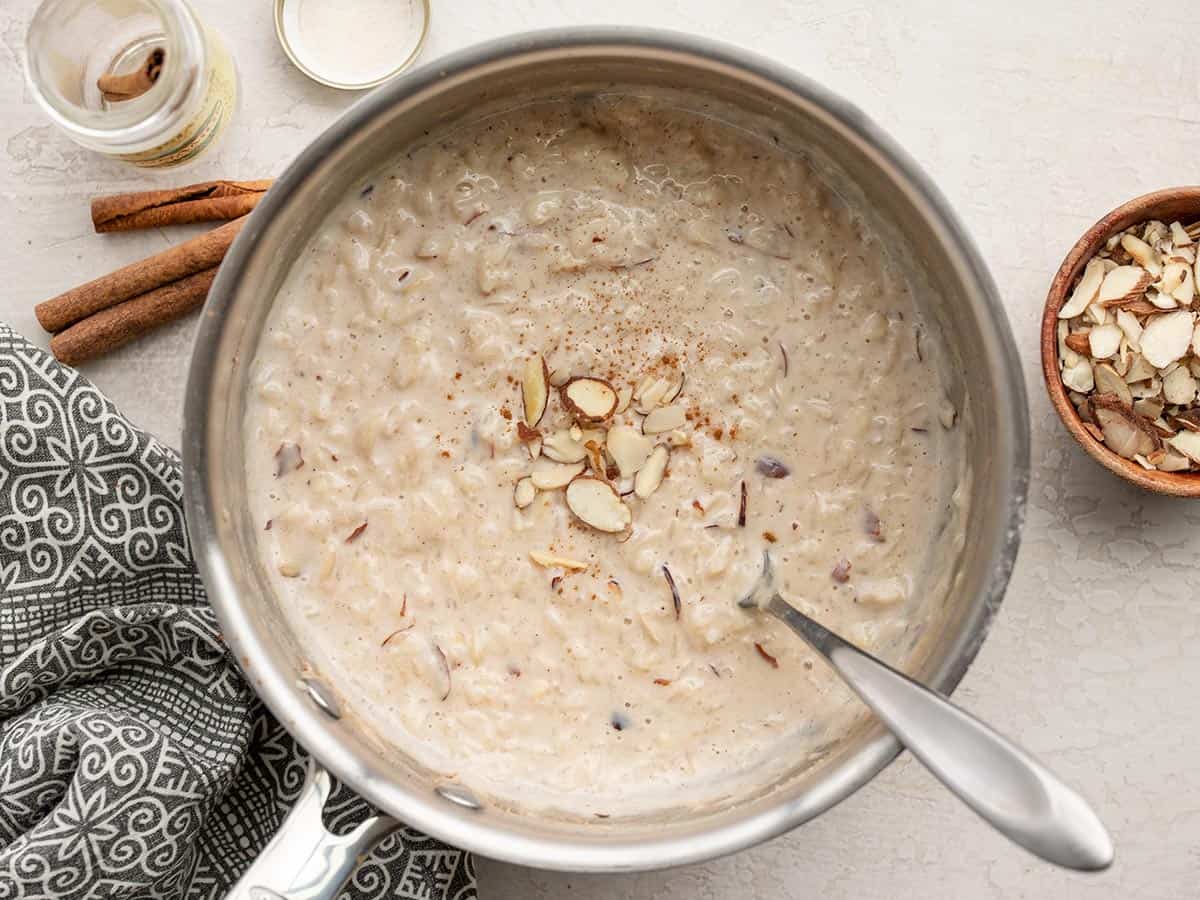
column 458, row 795
column 322, row 696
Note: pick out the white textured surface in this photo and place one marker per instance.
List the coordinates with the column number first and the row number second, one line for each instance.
column 1035, row 118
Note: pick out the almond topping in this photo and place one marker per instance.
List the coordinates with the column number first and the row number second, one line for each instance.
column 664, row 418
column 628, row 448
column 561, row 446
column 589, row 399
column 550, row 561
column 651, row 475
column 595, row 503
column 548, row 475
column 524, row 492
column 624, row 396
column 535, row 389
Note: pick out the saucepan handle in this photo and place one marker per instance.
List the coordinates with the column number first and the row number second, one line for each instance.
column 304, row 861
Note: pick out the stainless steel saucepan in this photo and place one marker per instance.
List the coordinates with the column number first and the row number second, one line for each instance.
column 959, row 297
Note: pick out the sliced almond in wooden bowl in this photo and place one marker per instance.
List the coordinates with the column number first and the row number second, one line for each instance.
column 1133, row 407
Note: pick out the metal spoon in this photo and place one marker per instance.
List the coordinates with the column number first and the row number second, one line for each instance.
column 1005, row 785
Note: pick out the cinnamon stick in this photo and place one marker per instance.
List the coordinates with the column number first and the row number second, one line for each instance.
column 199, row 253
column 117, row 88
column 118, row 325
column 208, row 201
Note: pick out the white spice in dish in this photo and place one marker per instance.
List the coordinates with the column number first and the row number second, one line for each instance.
column 353, row 42
column 582, row 649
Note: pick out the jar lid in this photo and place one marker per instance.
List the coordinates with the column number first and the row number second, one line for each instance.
column 351, row 44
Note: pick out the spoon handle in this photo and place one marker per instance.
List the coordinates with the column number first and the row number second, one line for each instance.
column 988, row 772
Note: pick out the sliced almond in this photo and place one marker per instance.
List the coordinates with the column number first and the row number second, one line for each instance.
column 595, row 503
column 650, row 476
column 1179, row 387
column 1109, row 381
column 1174, row 462
column 1144, row 389
column 1129, row 324
column 1163, row 428
column 1187, row 443
column 551, row 561
column 589, row 399
column 596, row 461
column 1125, row 432
column 548, row 475
column 674, row 389
column 1078, row 342
column 624, row 396
column 1085, row 291
column 1188, row 420
column 559, row 377
column 524, row 492
column 628, row 448
column 1096, row 314
column 1122, row 284
column 1172, row 277
column 1154, row 232
column 1160, row 301
column 651, row 395
column 1149, row 407
column 1123, row 358
column 664, row 418
column 1140, row 307
column 1166, row 338
column 1139, row 370
column 562, row 447
column 1104, row 340
column 1179, row 236
column 1186, row 292
column 1143, row 254
column 1079, row 376
column 535, row 389
column 679, row 438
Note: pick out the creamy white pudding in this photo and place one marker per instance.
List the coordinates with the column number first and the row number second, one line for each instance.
column 746, row 315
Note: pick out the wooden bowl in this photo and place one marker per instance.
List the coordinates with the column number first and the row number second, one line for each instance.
column 1181, row 203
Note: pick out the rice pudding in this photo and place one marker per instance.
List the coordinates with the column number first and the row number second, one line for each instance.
column 530, row 407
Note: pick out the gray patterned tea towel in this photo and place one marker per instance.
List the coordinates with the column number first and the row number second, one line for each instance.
column 134, row 760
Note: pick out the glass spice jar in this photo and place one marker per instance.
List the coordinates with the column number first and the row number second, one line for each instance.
column 187, row 91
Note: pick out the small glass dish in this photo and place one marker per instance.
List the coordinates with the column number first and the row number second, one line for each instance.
column 331, row 43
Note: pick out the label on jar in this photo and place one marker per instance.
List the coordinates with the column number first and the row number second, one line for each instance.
column 209, row 120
